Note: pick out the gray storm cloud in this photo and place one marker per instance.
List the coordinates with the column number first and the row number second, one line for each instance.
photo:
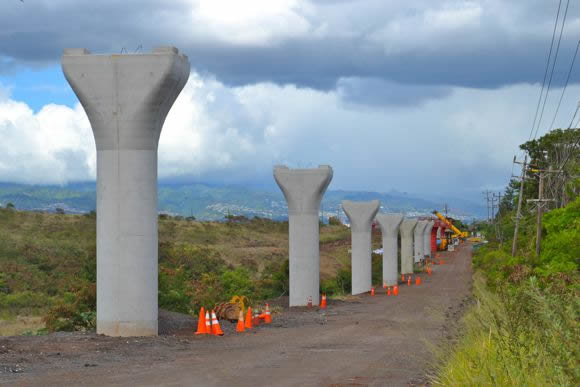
column 477, row 43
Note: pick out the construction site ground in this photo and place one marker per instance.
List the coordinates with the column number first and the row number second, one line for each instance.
column 363, row 340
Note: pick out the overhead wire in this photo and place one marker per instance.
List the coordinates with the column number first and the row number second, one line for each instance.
column 553, row 66
column 574, row 116
column 546, row 70
column 565, row 86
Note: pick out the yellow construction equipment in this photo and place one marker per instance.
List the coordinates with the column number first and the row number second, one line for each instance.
column 457, row 232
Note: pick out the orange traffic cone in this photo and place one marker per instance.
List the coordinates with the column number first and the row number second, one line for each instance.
column 240, row 327
column 395, row 290
column 384, row 285
column 256, row 321
column 418, row 281
column 248, row 321
column 429, row 271
column 409, row 281
column 323, row 302
column 389, row 291
column 201, row 330
column 216, row 330
column 309, row 302
column 268, row 318
column 207, row 323
column 373, row 292
column 402, row 277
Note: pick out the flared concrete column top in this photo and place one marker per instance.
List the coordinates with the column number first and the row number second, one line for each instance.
column 360, row 214
column 420, row 228
column 390, row 223
column 134, row 90
column 408, row 227
column 303, row 188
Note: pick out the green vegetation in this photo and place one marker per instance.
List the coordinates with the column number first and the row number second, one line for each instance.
column 48, row 264
column 524, row 328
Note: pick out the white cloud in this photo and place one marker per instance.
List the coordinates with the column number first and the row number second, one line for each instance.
column 250, row 22
column 460, row 142
column 54, row 145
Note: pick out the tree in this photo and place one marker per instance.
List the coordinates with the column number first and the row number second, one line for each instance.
column 558, row 149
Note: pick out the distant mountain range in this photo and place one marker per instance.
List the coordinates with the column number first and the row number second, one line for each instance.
column 212, row 202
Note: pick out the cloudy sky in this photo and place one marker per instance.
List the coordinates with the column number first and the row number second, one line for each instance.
column 410, row 95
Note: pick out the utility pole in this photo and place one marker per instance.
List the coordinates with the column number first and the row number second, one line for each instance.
column 519, row 211
column 496, row 221
column 540, row 206
column 486, row 193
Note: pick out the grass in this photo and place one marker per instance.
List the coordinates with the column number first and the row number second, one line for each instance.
column 48, row 263
column 525, row 337
column 525, row 327
column 21, row 325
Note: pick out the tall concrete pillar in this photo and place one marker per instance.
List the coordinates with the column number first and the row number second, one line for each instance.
column 390, row 230
column 427, row 239
column 418, row 244
column 407, row 232
column 126, row 98
column 303, row 190
column 361, row 215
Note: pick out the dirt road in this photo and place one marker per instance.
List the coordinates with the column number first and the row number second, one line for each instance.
column 375, row 341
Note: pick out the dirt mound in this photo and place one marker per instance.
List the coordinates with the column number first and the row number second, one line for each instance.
column 173, row 323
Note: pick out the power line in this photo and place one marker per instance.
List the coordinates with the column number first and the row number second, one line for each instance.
column 574, row 116
column 546, row 71
column 565, row 86
column 553, row 66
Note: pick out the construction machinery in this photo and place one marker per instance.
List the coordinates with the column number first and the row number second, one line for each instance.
column 457, row 232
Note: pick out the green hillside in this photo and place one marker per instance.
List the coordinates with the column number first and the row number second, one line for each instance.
column 210, row 202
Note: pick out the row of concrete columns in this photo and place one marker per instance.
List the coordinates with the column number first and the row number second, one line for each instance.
column 303, row 190
column 127, row 98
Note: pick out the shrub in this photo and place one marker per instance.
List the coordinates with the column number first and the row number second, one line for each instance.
column 334, row 221
column 561, row 246
column 75, row 313
column 520, row 337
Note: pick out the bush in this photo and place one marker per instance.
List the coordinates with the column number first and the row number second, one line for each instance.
column 334, row 221
column 78, row 312
column 561, row 244
column 521, row 337
column 22, row 301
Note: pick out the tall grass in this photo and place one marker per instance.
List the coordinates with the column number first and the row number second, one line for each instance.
column 518, row 336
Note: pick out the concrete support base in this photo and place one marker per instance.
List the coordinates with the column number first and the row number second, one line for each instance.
column 407, row 232
column 427, row 239
column 418, row 244
column 390, row 229
column 303, row 190
column 361, row 215
column 126, row 98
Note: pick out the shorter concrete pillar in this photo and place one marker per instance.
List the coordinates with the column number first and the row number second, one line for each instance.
column 427, row 239
column 303, row 190
column 407, row 231
column 418, row 244
column 361, row 215
column 390, row 229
